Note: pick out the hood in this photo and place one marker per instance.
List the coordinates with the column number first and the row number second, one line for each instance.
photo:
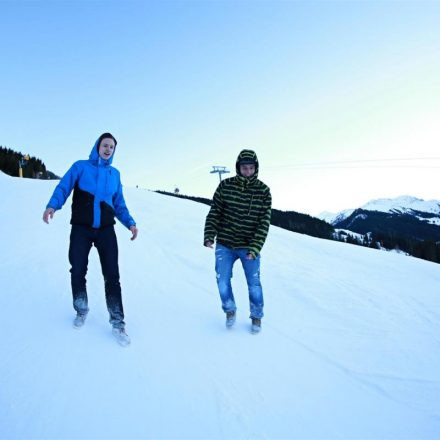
column 94, row 154
column 247, row 155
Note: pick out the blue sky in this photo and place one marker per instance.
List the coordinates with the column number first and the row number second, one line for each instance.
column 340, row 100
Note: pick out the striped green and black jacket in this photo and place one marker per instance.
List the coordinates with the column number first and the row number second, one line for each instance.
column 240, row 214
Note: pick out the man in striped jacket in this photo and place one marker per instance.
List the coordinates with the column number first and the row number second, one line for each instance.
column 240, row 217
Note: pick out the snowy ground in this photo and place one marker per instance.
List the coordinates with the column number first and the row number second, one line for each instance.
column 350, row 346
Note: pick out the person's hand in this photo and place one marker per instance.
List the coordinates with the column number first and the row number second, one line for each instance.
column 134, row 231
column 209, row 243
column 249, row 256
column 48, row 213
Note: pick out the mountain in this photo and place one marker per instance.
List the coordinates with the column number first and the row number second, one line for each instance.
column 416, row 227
column 331, row 217
column 349, row 346
column 405, row 223
column 426, row 211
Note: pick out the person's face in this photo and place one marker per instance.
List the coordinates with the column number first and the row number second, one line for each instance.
column 106, row 148
column 247, row 170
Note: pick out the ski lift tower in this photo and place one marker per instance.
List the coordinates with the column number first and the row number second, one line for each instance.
column 22, row 162
column 219, row 170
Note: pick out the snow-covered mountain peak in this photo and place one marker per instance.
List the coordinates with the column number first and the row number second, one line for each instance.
column 331, row 217
column 398, row 205
column 403, row 204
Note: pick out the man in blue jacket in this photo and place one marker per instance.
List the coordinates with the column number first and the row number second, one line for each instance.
column 97, row 199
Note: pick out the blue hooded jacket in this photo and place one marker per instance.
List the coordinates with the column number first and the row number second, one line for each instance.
column 97, row 196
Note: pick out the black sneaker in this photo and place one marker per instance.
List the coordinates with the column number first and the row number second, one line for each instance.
column 256, row 325
column 230, row 319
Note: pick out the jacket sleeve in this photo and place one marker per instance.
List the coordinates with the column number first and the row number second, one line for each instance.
column 214, row 216
column 259, row 238
column 121, row 210
column 64, row 188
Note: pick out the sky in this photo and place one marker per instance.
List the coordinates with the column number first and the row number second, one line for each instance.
column 340, row 100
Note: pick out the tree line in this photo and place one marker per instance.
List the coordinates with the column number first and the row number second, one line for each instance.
column 425, row 249
column 33, row 168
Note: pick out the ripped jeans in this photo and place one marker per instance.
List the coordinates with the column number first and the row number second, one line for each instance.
column 224, row 260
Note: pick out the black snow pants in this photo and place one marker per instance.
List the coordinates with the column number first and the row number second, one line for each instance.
column 81, row 240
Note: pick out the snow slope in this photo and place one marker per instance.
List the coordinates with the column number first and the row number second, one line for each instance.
column 349, row 347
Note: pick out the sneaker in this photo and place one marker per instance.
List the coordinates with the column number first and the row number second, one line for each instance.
column 256, row 325
column 121, row 336
column 230, row 319
column 79, row 320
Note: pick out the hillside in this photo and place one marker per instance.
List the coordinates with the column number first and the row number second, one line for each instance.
column 349, row 346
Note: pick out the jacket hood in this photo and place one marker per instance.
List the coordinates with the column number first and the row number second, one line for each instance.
column 247, row 156
column 94, row 154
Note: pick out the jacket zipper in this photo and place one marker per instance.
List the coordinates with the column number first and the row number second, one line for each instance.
column 250, row 204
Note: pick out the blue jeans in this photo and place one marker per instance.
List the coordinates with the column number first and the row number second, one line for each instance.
column 224, row 260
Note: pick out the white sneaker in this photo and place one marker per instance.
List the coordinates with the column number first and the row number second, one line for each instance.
column 79, row 320
column 121, row 337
